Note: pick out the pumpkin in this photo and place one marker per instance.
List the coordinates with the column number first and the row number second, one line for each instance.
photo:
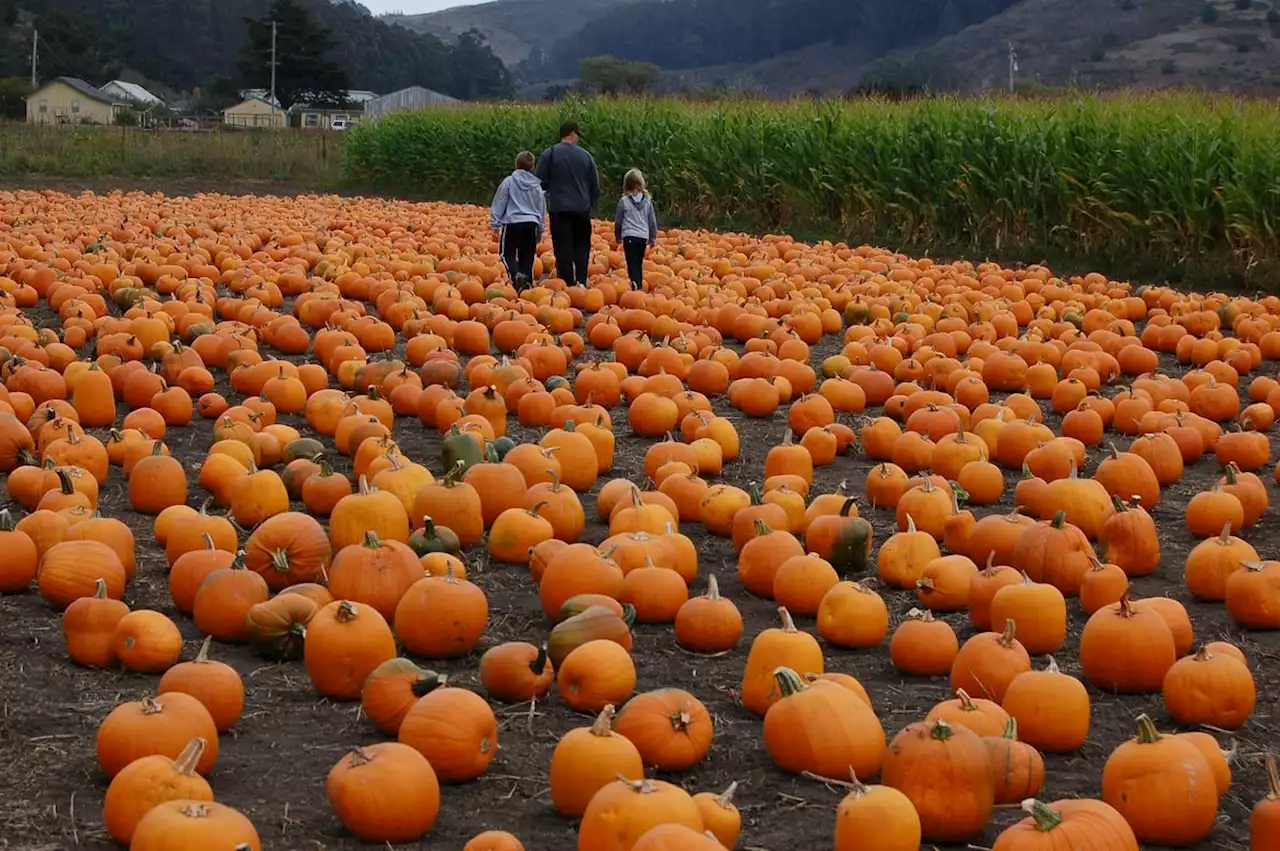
column 903, row 556
column 1038, row 609
column 670, row 728
column 1085, row 503
column 89, row 627
column 1126, row 475
column 455, row 730
column 1051, row 709
column 719, row 815
column 516, row 672
column 1264, row 821
column 391, row 690
column 593, row 623
column 923, row 646
column 1208, row 511
column 946, row 774
column 988, row 662
column 1126, row 650
column 1176, row 617
column 1102, row 585
column 151, row 780
column 596, row 674
column 288, row 549
column 162, row 725
column 1208, row 689
column 277, row 628
column 1251, row 595
column 146, row 641
column 345, row 643
column 1017, row 768
column 983, row 587
column 215, row 684
column 850, row 614
column 996, row 536
column 372, row 510
column 1055, row 553
column 844, row 540
column 982, row 716
column 158, row 482
column 773, row 648
column 72, row 569
column 1072, row 823
column 1162, row 786
column 821, row 728
column 385, row 792
column 375, row 573
column 441, row 617
column 1212, row 562
column 494, row 840
column 875, row 818
column 624, row 810
column 586, row 759
column 709, row 623
column 944, row 584
column 223, row 600
column 196, row 825
column 676, row 837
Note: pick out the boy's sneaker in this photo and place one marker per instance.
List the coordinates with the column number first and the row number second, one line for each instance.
column 521, row 282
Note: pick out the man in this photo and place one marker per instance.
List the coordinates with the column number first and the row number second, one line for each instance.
column 569, row 175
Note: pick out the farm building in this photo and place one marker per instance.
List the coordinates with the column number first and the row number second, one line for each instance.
column 255, row 112
column 324, row 118
column 70, row 100
column 414, row 97
column 122, row 92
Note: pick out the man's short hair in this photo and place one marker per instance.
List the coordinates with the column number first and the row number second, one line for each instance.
column 568, row 129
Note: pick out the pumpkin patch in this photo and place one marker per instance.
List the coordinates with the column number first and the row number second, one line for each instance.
column 304, row 488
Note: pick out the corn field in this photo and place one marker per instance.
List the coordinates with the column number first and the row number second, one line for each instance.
column 1178, row 177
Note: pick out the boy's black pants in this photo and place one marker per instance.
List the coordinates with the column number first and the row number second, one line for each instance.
column 571, row 242
column 633, row 249
column 519, row 247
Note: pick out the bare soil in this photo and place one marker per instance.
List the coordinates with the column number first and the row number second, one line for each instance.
column 273, row 764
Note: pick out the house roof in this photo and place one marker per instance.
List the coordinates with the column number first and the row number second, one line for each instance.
column 80, row 86
column 431, row 95
column 134, row 91
column 254, row 98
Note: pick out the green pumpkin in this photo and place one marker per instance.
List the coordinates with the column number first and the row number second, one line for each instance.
column 303, row 447
column 459, row 448
column 556, row 381
column 853, row 545
column 434, row 539
column 501, row 447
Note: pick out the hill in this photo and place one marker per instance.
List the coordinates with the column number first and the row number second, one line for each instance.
column 515, row 29
column 183, row 44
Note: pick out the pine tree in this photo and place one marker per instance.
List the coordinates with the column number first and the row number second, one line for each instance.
column 305, row 72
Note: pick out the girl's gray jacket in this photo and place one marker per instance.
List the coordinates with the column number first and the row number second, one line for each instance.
column 635, row 218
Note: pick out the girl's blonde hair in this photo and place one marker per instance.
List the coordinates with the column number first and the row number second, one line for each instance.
column 633, row 182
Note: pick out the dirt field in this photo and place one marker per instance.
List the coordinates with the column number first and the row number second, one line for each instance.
column 273, row 764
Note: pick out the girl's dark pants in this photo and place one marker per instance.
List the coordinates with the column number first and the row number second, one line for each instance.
column 519, row 247
column 633, row 248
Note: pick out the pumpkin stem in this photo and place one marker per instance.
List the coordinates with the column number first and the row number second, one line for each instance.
column 941, row 730
column 926, row 583
column 628, row 614
column 347, row 612
column 966, row 702
column 604, row 722
column 725, row 798
column 1007, row 637
column 911, row 525
column 427, row 683
column 203, row 655
column 150, row 706
column 847, row 506
column 713, row 588
column 99, row 587
column 1224, row 538
column 1052, row 667
column 1203, row 654
column 64, row 482
column 761, row 527
column 788, row 625
column 279, row 558
column 359, row 756
column 789, row 682
column 1045, row 818
column 1058, row 519
column 1147, row 733
column 1273, row 779
column 533, row 512
column 449, row 576
column 539, row 663
column 186, row 762
column 1125, row 607
column 1011, row 729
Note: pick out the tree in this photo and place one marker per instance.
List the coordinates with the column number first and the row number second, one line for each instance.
column 13, row 97
column 217, row 93
column 477, row 72
column 610, row 75
column 305, row 73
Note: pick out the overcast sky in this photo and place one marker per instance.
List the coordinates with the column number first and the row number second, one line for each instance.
column 409, row 7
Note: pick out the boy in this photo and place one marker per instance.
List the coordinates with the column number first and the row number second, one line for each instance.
column 519, row 214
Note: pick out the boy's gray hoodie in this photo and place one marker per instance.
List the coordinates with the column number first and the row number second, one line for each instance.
column 635, row 218
column 519, row 199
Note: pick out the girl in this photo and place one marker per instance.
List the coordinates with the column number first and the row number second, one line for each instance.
column 519, row 212
column 635, row 225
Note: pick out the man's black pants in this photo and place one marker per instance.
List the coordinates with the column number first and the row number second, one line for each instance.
column 633, row 249
column 571, row 242
column 519, row 248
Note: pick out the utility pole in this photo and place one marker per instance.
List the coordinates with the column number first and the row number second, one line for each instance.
column 1013, row 66
column 35, row 49
column 273, row 64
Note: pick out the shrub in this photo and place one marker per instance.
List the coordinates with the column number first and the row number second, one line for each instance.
column 1209, row 14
